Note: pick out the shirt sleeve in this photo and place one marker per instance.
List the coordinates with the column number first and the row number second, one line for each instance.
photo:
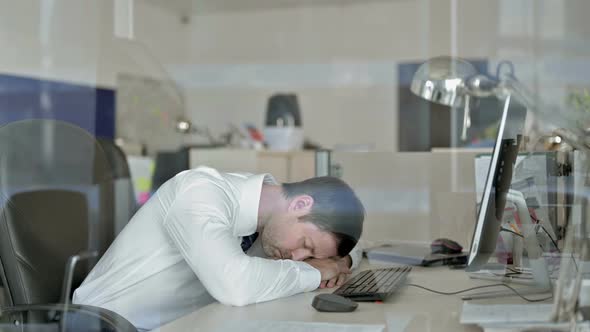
column 356, row 255
column 199, row 224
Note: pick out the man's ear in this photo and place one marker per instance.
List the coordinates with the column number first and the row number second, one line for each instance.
column 301, row 205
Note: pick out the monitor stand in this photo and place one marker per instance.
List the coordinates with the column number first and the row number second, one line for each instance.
column 540, row 283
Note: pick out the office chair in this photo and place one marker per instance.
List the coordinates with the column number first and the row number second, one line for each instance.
column 124, row 197
column 55, row 211
column 45, row 154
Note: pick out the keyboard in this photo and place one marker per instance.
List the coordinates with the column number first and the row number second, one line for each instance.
column 374, row 285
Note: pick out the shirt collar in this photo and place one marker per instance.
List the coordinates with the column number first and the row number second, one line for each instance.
column 247, row 220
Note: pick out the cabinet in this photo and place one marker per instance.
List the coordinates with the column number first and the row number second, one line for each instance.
column 284, row 166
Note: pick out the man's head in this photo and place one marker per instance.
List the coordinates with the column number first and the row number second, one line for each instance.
column 322, row 218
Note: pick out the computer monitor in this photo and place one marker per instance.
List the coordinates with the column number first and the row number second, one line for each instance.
column 168, row 164
column 497, row 185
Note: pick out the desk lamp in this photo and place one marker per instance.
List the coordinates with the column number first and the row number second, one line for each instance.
column 451, row 82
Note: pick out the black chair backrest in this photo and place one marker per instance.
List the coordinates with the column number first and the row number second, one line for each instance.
column 125, row 204
column 116, row 158
column 39, row 231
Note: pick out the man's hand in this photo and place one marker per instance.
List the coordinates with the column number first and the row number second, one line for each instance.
column 333, row 270
column 339, row 280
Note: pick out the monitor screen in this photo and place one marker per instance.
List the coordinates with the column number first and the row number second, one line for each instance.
column 499, row 177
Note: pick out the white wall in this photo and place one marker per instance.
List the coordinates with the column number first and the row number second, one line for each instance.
column 73, row 40
column 341, row 58
column 414, row 196
column 48, row 39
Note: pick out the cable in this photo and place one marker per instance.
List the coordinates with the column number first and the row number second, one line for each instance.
column 479, row 287
column 551, row 238
column 574, row 260
column 538, row 222
column 511, row 269
column 510, row 231
column 514, row 228
column 514, row 271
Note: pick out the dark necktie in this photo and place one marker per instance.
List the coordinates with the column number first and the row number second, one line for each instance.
column 247, row 241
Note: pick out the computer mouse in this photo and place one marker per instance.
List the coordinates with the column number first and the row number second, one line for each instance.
column 333, row 303
column 445, row 246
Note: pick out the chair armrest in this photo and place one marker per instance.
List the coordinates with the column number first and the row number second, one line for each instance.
column 85, row 316
column 69, row 273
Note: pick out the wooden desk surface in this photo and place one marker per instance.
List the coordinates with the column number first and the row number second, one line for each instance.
column 410, row 309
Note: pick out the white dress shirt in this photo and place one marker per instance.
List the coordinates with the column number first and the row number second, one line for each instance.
column 181, row 251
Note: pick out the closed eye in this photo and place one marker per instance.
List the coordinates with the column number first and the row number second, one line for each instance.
column 309, row 245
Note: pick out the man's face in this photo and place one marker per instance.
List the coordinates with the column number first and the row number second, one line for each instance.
column 286, row 237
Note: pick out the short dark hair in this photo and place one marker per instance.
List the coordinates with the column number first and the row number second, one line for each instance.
column 336, row 209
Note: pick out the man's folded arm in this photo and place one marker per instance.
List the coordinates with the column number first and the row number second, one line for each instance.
column 203, row 233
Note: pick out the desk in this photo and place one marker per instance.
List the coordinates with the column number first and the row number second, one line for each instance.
column 411, row 309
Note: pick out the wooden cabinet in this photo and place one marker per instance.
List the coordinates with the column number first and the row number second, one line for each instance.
column 284, row 166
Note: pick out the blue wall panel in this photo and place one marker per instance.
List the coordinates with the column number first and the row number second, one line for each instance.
column 86, row 106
